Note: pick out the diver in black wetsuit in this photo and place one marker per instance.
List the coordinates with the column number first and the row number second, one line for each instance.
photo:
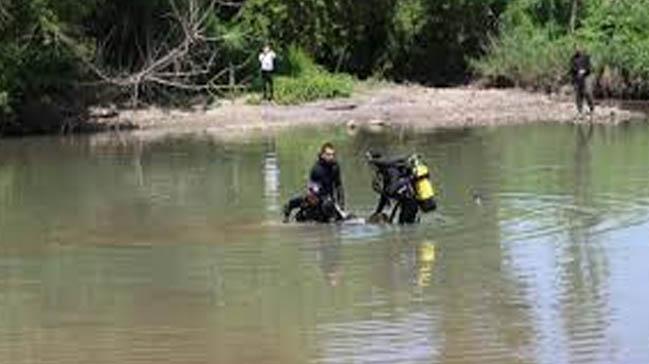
column 325, row 199
column 404, row 181
column 309, row 206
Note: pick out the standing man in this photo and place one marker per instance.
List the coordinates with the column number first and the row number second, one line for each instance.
column 580, row 70
column 267, row 62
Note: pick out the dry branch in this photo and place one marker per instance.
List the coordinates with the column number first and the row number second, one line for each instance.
column 183, row 64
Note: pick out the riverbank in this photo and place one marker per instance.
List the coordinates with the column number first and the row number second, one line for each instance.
column 383, row 105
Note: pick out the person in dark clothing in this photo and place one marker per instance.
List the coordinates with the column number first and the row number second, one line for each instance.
column 580, row 71
column 395, row 185
column 326, row 173
column 309, row 206
column 396, row 180
column 326, row 192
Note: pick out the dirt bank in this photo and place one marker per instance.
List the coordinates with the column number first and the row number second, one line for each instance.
column 413, row 106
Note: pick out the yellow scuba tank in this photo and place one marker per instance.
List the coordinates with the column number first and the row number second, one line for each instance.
column 423, row 188
column 424, row 191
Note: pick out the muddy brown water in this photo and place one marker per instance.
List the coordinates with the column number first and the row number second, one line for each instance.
column 118, row 250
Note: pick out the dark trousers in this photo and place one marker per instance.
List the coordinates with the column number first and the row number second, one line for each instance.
column 267, row 84
column 409, row 209
column 584, row 90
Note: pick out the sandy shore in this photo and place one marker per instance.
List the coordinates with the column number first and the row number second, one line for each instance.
column 392, row 105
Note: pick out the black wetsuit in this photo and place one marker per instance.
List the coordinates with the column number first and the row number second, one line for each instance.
column 306, row 212
column 397, row 185
column 331, row 194
column 327, row 175
column 580, row 70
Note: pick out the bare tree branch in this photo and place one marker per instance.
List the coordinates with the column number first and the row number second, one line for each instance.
column 184, row 65
column 230, row 4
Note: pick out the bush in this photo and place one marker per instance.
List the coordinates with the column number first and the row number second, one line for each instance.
column 618, row 35
column 301, row 80
column 530, row 52
column 534, row 51
column 313, row 86
column 530, row 58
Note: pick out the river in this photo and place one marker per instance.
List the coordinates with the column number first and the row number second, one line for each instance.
column 115, row 249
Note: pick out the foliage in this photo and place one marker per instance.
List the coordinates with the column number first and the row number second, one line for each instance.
column 343, row 35
column 536, row 43
column 421, row 40
column 438, row 42
column 439, row 37
column 32, row 61
column 302, row 80
column 528, row 57
column 618, row 35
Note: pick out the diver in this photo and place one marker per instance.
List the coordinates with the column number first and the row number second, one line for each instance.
column 403, row 182
column 325, row 197
column 309, row 206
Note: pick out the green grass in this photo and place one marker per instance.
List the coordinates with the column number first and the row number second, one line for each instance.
column 301, row 80
column 312, row 86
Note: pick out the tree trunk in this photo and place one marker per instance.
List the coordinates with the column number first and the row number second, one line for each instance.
column 573, row 15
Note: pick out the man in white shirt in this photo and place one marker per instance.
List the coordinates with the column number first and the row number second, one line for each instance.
column 267, row 61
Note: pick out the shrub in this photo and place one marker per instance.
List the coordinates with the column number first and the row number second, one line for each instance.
column 313, row 86
column 527, row 59
column 301, row 80
column 534, row 53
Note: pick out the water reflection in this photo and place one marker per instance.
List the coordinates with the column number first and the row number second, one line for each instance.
column 329, row 259
column 426, row 255
column 271, row 180
column 375, row 324
column 584, row 292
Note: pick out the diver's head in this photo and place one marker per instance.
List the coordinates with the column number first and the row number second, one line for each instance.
column 313, row 193
column 328, row 153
